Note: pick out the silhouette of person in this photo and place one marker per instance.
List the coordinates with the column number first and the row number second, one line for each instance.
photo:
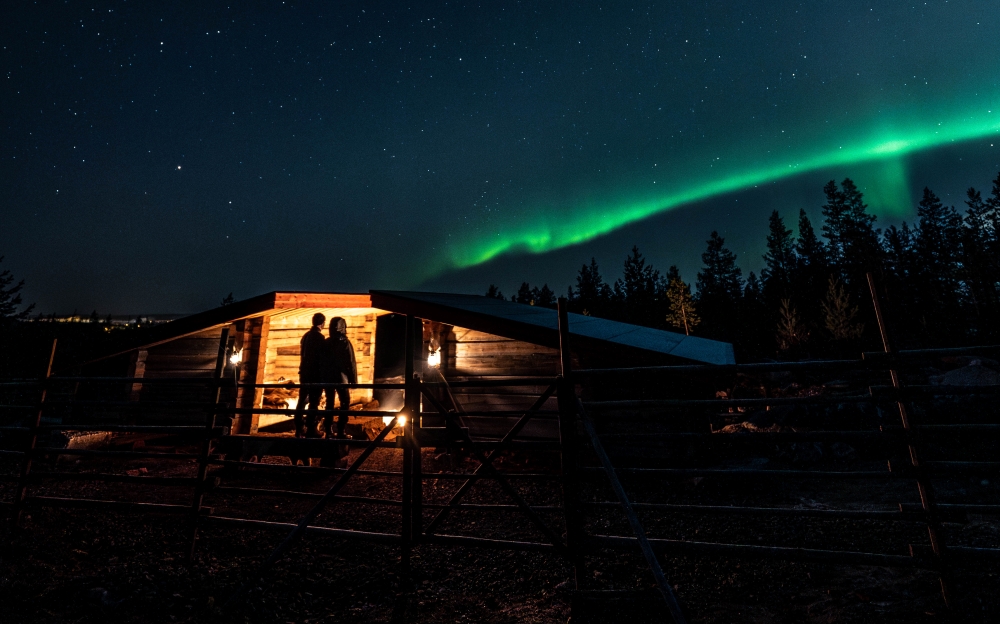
column 311, row 359
column 339, row 367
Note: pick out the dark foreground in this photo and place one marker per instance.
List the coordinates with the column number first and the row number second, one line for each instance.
column 82, row 566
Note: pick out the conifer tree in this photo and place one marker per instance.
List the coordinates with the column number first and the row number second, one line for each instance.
column 543, row 297
column 494, row 293
column 810, row 274
column 936, row 275
column 593, row 295
column 637, row 290
column 834, row 212
column 862, row 251
column 523, row 295
column 897, row 278
column 719, row 288
column 681, row 311
column 10, row 299
column 979, row 266
column 752, row 338
column 779, row 261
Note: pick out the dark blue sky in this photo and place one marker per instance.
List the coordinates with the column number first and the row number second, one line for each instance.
column 156, row 156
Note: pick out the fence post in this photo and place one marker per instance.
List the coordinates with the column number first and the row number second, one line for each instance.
column 934, row 530
column 568, row 444
column 29, row 448
column 406, row 530
column 206, row 446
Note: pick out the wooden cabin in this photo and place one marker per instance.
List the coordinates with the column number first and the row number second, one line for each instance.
column 463, row 337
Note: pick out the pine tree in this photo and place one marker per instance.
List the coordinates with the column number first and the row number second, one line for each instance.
column 779, row 261
column 861, row 246
column 637, row 290
column 681, row 311
column 592, row 296
column 936, row 275
column 897, row 279
column 494, row 293
column 719, row 288
column 834, row 212
column 752, row 338
column 810, row 273
column 524, row 294
column 543, row 297
column 10, row 299
column 980, row 267
column 809, row 250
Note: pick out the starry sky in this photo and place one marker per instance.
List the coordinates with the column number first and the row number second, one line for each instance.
column 156, row 156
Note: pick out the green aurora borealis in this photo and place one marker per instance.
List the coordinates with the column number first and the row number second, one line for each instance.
column 887, row 149
column 155, row 157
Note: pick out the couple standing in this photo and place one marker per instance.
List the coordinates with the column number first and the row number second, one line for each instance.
column 329, row 361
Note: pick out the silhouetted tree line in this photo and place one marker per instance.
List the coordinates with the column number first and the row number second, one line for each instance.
column 940, row 281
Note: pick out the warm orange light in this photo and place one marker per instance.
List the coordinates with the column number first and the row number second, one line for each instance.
column 400, row 420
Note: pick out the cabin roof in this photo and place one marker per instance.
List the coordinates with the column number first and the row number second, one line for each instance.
column 540, row 325
column 532, row 324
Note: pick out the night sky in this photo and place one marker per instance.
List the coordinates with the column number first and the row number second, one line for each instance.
column 156, row 156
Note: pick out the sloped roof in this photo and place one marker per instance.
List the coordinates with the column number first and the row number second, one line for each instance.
column 541, row 325
column 532, row 324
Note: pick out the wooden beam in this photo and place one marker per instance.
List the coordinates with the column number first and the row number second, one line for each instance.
column 137, row 369
column 261, row 358
column 285, row 300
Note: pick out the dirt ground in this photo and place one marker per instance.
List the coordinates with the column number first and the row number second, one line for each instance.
column 86, row 566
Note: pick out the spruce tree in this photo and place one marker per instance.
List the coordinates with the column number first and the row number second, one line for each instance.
column 494, row 293
column 523, row 295
column 862, row 251
column 754, row 340
column 980, row 267
column 779, row 261
column 810, row 274
column 10, row 299
column 936, row 279
column 897, row 279
column 543, row 297
column 593, row 295
column 720, row 289
column 834, row 223
column 637, row 290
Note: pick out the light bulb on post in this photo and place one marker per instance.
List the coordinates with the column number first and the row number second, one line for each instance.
column 236, row 357
column 434, row 358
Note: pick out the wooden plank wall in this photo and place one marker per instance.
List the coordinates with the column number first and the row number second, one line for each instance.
column 471, row 353
column 285, row 334
column 190, row 356
column 468, row 353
